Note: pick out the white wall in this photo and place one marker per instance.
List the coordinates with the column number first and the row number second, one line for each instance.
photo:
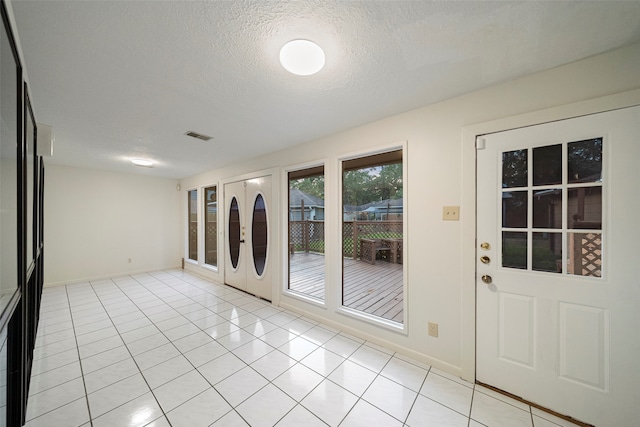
column 440, row 171
column 95, row 221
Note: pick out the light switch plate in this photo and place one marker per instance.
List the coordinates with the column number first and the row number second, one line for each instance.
column 451, row 213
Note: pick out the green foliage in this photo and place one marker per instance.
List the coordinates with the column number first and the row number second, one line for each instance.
column 372, row 184
column 313, row 185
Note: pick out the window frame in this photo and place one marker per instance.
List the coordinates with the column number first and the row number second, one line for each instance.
column 203, row 233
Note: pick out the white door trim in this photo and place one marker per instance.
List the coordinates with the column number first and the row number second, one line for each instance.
column 468, row 202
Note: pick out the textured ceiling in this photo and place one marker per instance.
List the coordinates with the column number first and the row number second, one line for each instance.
column 123, row 79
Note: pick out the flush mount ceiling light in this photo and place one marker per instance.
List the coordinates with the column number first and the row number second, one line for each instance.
column 302, row 57
column 142, row 162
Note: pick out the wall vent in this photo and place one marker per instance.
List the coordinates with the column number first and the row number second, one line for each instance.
column 197, row 135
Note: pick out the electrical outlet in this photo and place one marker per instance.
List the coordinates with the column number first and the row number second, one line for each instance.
column 433, row 330
column 451, row 213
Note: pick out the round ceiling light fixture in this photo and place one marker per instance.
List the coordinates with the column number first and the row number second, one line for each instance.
column 302, row 57
column 142, row 162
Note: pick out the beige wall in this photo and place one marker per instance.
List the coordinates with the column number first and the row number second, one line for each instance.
column 441, row 172
column 95, row 221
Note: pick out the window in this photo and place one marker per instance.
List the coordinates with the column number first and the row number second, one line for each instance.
column 306, row 232
column 211, row 226
column 372, row 235
column 192, row 212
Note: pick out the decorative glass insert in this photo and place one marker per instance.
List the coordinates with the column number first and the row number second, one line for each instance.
column 514, row 249
column 259, row 234
column 211, row 226
column 192, row 212
column 547, row 165
column 514, row 168
column 234, row 232
column 551, row 213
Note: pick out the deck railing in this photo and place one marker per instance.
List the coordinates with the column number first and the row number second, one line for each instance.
column 308, row 235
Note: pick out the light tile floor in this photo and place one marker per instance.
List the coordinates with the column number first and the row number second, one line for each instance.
column 170, row 349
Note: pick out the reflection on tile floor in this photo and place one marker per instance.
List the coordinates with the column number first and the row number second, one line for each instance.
column 170, row 349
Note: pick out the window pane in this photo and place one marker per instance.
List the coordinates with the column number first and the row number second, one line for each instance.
column 547, row 252
column 585, row 208
column 514, row 249
column 29, row 183
column 514, row 209
column 547, row 208
column 259, row 233
column 306, row 232
column 547, row 165
column 514, row 168
column 8, row 173
column 585, row 161
column 211, row 226
column 193, row 224
column 372, row 230
column 585, row 254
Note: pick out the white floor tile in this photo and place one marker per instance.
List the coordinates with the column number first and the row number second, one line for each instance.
column 260, row 328
column 54, row 398
column 353, row 377
column 106, row 358
column 370, row 358
column 252, row 351
column 366, row 415
column 391, row 397
column 139, row 333
column 266, row 407
column 298, row 381
column 341, row 345
column 176, row 392
column 73, row 414
column 277, row 337
column 99, row 346
column 404, row 373
column 318, row 335
column 494, row 412
column 54, row 377
column 231, row 419
column 205, row 353
column 329, row 402
column 426, row 412
column 448, row 393
column 166, row 371
column 239, row 386
column 156, row 356
column 299, row 416
column 220, row 368
column 148, row 343
column 323, row 361
column 273, row 364
column 110, row 375
column 108, row 398
column 298, row 348
column 235, row 339
column 202, row 410
column 136, row 413
column 540, row 417
column 52, row 362
column 181, row 331
column 502, row 397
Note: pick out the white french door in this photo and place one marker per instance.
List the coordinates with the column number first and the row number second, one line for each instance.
column 248, row 236
column 558, row 291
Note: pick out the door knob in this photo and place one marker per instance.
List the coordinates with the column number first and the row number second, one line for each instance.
column 485, row 259
column 487, row 279
column 242, row 241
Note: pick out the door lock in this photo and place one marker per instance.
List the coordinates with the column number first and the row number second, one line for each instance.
column 487, row 279
column 485, row 246
column 485, row 259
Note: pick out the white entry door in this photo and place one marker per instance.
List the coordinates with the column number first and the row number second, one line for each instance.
column 248, row 236
column 558, row 289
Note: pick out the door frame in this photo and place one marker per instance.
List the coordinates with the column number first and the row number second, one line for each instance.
column 274, row 235
column 468, row 202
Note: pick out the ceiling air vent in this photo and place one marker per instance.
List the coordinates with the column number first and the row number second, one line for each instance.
column 197, row 135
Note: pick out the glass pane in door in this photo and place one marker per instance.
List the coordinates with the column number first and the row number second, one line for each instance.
column 234, row 232
column 547, row 165
column 585, row 161
column 259, row 234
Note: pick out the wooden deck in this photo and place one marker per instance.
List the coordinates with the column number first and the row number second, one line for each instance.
column 374, row 289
